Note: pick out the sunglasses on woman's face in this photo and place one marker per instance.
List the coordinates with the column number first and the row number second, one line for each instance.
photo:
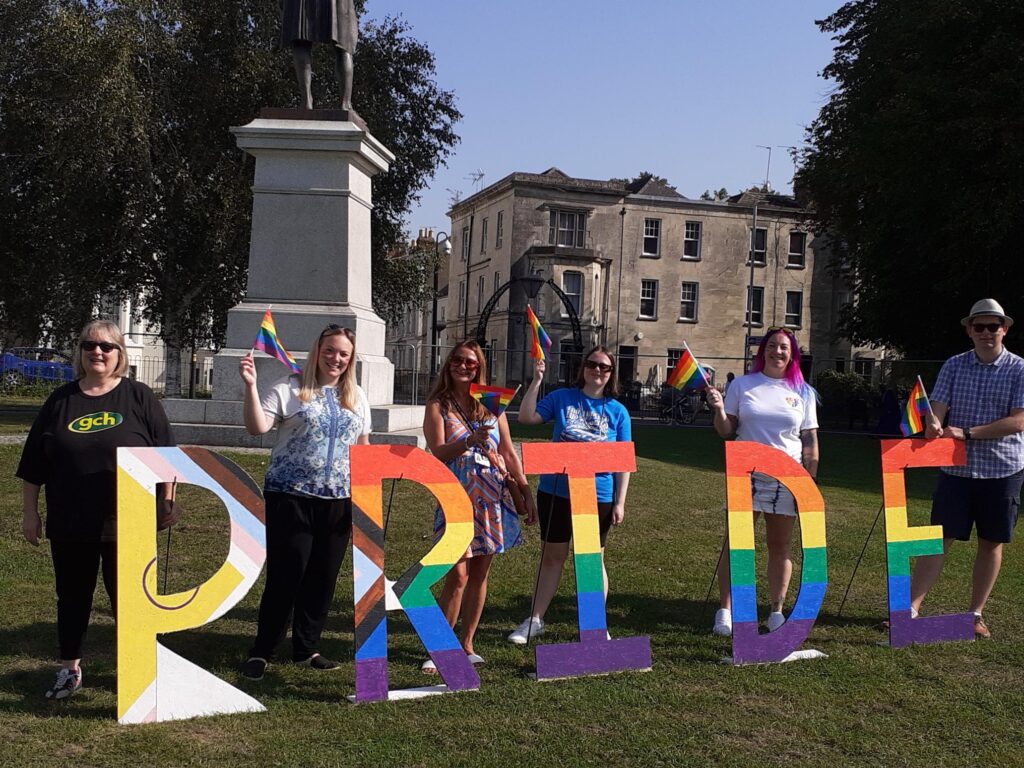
column 593, row 365
column 458, row 361
column 106, row 346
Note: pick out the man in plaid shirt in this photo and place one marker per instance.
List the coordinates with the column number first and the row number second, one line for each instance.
column 982, row 392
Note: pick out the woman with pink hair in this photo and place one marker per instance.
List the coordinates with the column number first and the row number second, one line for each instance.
column 771, row 405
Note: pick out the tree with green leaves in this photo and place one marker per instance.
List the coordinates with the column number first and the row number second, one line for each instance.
column 915, row 166
column 120, row 175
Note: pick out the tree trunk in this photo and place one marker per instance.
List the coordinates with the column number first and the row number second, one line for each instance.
column 172, row 370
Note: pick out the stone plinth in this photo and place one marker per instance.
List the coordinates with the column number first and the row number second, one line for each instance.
column 309, row 260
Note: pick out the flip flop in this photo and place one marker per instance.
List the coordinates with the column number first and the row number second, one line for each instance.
column 428, row 667
column 475, row 658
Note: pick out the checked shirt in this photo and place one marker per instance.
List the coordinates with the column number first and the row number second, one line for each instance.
column 979, row 393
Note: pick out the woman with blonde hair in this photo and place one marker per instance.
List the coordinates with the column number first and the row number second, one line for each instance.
column 308, row 497
column 72, row 451
column 478, row 449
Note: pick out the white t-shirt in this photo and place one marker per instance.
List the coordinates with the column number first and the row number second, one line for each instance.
column 770, row 413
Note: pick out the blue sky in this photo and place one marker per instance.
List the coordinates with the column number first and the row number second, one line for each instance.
column 604, row 89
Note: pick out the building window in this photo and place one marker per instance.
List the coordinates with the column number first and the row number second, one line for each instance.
column 794, row 308
column 497, row 284
column 465, row 244
column 499, row 229
column 760, row 240
column 479, row 293
column 755, row 314
column 864, row 367
column 462, row 298
column 572, row 286
column 566, row 229
column 673, row 358
column 797, row 249
column 652, row 237
column 483, row 235
column 649, row 299
column 688, row 301
column 691, row 240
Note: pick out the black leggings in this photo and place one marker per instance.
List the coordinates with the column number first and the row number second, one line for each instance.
column 76, row 565
column 306, row 543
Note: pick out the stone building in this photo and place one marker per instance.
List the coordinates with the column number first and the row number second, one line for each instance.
column 645, row 269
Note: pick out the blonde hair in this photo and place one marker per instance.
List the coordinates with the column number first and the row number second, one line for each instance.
column 347, row 382
column 444, row 388
column 111, row 333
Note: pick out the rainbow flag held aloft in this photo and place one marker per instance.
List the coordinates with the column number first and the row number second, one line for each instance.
column 688, row 372
column 494, row 399
column 541, row 341
column 267, row 341
column 914, row 412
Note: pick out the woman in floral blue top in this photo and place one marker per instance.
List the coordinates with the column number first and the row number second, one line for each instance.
column 308, row 501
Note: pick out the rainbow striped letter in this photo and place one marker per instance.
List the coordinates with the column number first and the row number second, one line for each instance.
column 595, row 654
column 370, row 465
column 748, row 647
column 154, row 684
column 903, row 542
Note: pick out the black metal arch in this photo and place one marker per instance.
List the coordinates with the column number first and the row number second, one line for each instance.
column 485, row 316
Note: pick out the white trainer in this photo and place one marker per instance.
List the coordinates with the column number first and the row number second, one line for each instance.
column 531, row 627
column 775, row 620
column 723, row 622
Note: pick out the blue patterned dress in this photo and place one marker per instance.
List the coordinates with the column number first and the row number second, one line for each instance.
column 495, row 523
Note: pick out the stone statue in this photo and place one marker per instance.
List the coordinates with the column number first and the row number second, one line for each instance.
column 304, row 22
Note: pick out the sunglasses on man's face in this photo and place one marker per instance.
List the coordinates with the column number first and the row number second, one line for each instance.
column 593, row 365
column 106, row 346
column 982, row 327
column 468, row 363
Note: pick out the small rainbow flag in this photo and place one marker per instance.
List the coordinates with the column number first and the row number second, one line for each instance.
column 494, row 399
column 541, row 341
column 916, row 408
column 267, row 341
column 688, row 372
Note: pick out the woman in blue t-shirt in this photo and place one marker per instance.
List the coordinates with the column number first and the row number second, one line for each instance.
column 585, row 413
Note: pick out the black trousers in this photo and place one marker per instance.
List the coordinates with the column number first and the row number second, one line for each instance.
column 306, row 543
column 76, row 566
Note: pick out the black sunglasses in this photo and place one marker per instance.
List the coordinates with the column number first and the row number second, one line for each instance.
column 990, row 327
column 106, row 346
column 593, row 365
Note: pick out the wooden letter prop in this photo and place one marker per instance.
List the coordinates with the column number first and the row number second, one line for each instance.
column 595, row 654
column 154, row 684
column 903, row 542
column 370, row 464
column 749, row 647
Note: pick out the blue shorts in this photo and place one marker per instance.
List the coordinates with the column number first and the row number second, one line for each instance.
column 961, row 503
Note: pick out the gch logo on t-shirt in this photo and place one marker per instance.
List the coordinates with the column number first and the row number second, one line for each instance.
column 95, row 422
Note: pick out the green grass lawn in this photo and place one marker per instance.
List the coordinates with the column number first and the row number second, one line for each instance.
column 866, row 704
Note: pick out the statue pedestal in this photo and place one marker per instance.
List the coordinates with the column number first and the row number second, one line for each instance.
column 309, row 259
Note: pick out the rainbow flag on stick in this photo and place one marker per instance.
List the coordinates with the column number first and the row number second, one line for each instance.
column 267, row 341
column 688, row 372
column 494, row 399
column 915, row 410
column 541, row 341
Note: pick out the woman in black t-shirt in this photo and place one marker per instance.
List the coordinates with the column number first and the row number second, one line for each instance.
column 72, row 451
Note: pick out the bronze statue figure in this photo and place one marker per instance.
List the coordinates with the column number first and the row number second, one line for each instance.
column 304, row 22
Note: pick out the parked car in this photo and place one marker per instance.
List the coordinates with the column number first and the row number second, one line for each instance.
column 22, row 365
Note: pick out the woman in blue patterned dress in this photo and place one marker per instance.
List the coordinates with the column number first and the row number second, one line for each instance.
column 308, row 506
column 478, row 449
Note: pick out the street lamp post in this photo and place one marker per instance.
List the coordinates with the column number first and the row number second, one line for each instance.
column 442, row 246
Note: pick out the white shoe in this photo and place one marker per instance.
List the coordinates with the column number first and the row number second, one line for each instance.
column 723, row 622
column 775, row 620
column 531, row 627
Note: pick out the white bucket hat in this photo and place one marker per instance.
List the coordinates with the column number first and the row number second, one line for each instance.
column 987, row 307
